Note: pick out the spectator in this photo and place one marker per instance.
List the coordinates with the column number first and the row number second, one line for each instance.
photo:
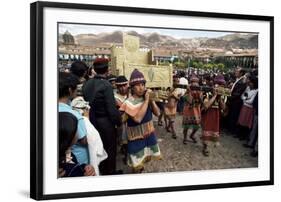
column 68, row 164
column 67, row 91
column 103, row 113
column 95, row 146
column 247, row 111
column 79, row 69
column 234, row 102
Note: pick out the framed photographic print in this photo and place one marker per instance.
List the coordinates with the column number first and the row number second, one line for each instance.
column 129, row 100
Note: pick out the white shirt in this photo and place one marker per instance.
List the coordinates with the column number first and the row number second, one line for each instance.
column 96, row 151
column 248, row 101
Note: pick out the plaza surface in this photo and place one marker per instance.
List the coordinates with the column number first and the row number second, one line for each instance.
column 176, row 156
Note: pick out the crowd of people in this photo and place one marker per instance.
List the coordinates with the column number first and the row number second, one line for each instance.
column 99, row 113
column 212, row 111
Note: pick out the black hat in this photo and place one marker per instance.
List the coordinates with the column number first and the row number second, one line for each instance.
column 121, row 80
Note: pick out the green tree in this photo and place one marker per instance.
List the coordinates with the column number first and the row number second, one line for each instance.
column 194, row 64
column 180, row 65
column 220, row 66
column 208, row 66
column 200, row 65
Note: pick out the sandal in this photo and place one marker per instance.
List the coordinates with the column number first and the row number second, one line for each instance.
column 206, row 152
column 193, row 139
column 185, row 141
column 160, row 123
column 174, row 136
column 168, row 130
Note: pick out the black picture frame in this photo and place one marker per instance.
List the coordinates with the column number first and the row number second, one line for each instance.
column 37, row 98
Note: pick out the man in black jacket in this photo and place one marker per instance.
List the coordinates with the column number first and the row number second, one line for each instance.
column 103, row 113
column 235, row 101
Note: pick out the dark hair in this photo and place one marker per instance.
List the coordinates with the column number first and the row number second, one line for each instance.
column 79, row 68
column 111, row 78
column 100, row 65
column 68, row 124
column 181, row 74
column 255, row 72
column 89, row 73
column 254, row 80
column 132, row 87
column 207, row 77
column 66, row 81
column 101, row 70
column 242, row 72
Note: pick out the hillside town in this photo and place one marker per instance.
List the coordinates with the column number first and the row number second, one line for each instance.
column 231, row 50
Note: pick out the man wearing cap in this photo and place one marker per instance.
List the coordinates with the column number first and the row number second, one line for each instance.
column 192, row 110
column 181, row 92
column 142, row 140
column 213, row 105
column 103, row 113
column 120, row 96
column 112, row 80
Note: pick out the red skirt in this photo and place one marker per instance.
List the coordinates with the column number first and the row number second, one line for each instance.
column 246, row 116
column 191, row 116
column 211, row 124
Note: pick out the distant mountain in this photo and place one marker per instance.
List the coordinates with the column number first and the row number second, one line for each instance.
column 231, row 37
column 86, row 38
column 237, row 40
column 115, row 37
column 241, row 41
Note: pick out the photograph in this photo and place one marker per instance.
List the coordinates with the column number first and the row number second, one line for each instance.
column 185, row 98
column 124, row 97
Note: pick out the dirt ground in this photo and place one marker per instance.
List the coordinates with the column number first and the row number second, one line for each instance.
column 179, row 157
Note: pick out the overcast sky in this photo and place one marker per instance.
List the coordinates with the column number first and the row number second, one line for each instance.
column 75, row 29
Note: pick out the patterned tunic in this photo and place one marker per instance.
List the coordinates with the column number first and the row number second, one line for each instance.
column 211, row 120
column 142, row 141
column 192, row 111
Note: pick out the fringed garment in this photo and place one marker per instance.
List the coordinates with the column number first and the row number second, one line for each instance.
column 192, row 112
column 120, row 99
column 142, row 141
column 211, row 121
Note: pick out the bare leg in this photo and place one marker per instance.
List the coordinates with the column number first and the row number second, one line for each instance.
column 185, row 130
column 205, row 149
column 167, row 124
column 160, row 122
column 171, row 125
column 192, row 135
